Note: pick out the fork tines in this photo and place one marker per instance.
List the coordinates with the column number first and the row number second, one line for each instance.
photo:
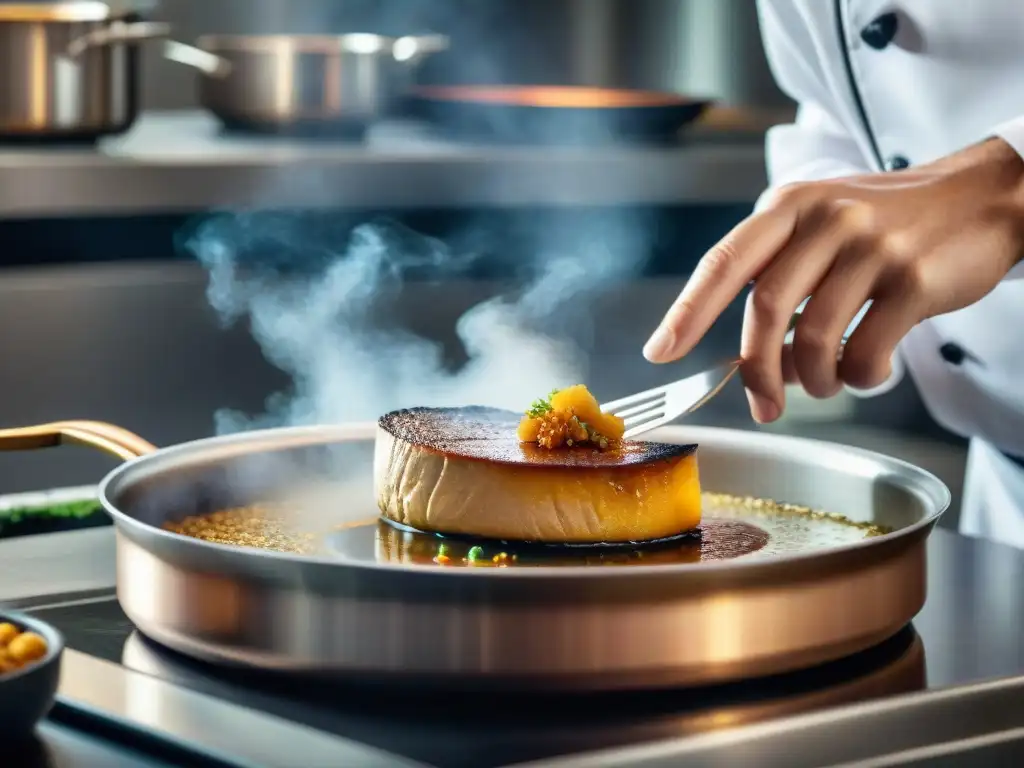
column 642, row 411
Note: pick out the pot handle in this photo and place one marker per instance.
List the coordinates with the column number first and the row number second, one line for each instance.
column 118, row 32
column 191, row 56
column 94, row 434
column 412, row 48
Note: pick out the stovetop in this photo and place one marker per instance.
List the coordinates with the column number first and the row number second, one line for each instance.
column 971, row 628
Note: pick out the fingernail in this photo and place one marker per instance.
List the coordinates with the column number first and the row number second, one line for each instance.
column 761, row 408
column 660, row 345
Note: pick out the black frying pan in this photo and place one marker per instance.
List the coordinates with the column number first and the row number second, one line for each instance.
column 555, row 114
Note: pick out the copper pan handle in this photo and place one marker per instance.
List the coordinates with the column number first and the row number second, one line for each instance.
column 94, row 434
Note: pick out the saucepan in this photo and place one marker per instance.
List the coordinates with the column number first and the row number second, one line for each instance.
column 305, row 84
column 71, row 70
column 355, row 615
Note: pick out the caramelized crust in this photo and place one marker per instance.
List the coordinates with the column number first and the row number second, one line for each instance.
column 489, row 434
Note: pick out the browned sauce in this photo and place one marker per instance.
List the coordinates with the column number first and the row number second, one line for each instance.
column 553, row 96
column 716, row 540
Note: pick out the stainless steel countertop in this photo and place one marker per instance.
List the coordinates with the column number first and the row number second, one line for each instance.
column 179, row 161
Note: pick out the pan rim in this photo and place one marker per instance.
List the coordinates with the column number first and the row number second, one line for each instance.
column 350, row 42
column 77, row 12
column 661, row 100
column 928, row 488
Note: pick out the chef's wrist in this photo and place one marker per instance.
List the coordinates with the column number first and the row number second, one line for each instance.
column 1008, row 139
column 1002, row 176
column 1015, row 166
column 1010, row 165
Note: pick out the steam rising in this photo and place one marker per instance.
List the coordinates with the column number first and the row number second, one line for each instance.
column 313, row 305
column 316, row 297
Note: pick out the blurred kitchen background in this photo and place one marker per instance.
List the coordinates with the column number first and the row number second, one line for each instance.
column 104, row 312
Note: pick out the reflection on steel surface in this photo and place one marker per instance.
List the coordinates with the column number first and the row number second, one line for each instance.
column 896, row 668
column 984, row 718
column 209, row 724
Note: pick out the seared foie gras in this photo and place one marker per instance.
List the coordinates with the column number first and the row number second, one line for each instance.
column 464, row 471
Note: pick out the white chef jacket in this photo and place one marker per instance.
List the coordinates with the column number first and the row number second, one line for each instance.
column 883, row 85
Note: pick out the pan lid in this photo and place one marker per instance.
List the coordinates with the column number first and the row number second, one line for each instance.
column 77, row 10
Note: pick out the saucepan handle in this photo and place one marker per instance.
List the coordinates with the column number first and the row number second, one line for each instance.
column 94, row 434
column 118, row 32
column 208, row 63
column 412, row 48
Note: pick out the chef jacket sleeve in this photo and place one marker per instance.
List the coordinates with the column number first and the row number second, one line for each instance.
column 817, row 145
column 1012, row 132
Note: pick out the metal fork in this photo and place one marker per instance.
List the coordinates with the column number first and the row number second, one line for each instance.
column 656, row 407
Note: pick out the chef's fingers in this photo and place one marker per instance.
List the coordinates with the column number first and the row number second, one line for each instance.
column 778, row 292
column 719, row 278
column 831, row 309
column 867, row 357
column 789, row 373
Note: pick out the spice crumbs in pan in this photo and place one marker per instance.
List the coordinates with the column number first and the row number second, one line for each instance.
column 749, row 505
column 254, row 526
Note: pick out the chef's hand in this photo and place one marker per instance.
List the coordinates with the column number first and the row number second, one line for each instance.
column 917, row 243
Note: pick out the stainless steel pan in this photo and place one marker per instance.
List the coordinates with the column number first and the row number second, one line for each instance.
column 70, row 71
column 547, row 626
column 304, row 83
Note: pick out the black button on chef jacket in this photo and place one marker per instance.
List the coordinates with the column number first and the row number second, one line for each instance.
column 897, row 163
column 881, row 31
column 952, row 353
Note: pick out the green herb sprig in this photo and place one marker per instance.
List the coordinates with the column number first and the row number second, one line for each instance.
column 540, row 406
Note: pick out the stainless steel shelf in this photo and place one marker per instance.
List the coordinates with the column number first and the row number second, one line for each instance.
column 179, row 161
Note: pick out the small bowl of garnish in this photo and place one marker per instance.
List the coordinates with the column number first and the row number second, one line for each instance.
column 30, row 655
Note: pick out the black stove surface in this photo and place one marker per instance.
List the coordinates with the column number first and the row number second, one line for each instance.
column 971, row 628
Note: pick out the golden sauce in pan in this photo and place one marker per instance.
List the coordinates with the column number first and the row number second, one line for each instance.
column 733, row 527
